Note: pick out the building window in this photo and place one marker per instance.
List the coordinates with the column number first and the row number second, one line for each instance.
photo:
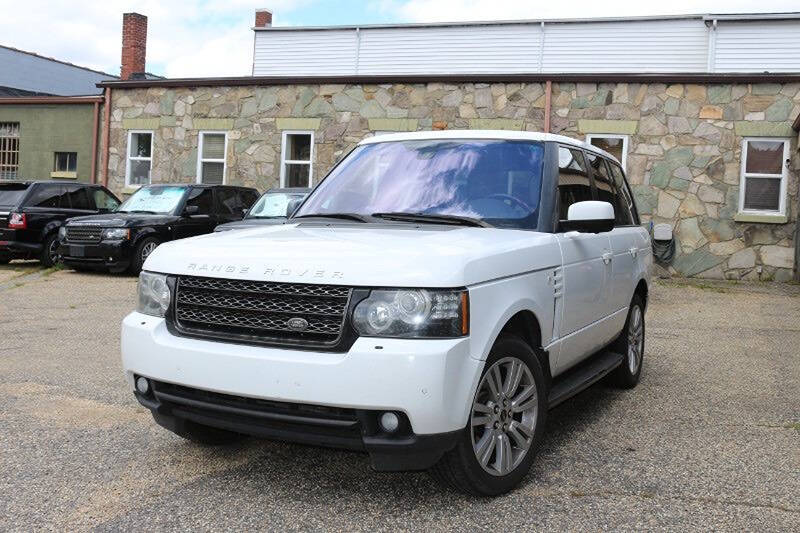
column 616, row 145
column 297, row 154
column 65, row 165
column 211, row 157
column 9, row 150
column 140, row 158
column 763, row 181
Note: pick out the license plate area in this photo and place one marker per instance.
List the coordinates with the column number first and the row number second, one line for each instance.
column 77, row 251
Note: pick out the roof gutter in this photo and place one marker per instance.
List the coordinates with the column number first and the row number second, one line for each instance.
column 50, row 100
column 717, row 77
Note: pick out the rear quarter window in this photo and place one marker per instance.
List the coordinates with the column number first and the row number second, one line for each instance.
column 49, row 196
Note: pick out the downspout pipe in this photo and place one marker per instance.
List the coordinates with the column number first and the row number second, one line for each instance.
column 106, row 133
column 95, row 128
column 548, row 92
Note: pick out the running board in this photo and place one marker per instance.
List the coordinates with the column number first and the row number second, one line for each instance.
column 583, row 376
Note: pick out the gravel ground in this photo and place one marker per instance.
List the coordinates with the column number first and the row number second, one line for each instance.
column 709, row 440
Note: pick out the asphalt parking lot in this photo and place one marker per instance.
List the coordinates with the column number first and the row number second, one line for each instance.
column 709, row 440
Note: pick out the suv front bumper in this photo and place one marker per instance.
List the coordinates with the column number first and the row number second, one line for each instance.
column 108, row 254
column 429, row 383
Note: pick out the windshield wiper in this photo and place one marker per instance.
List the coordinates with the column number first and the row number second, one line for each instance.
column 343, row 216
column 454, row 220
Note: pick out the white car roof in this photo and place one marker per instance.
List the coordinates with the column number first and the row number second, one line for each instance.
column 485, row 134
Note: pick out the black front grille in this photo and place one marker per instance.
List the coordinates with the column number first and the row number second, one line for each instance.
column 84, row 234
column 261, row 312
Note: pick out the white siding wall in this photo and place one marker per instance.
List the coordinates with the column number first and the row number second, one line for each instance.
column 756, row 47
column 305, row 53
column 639, row 46
column 636, row 46
column 450, row 50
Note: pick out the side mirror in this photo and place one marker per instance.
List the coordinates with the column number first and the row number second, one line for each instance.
column 589, row 217
column 190, row 210
column 292, row 206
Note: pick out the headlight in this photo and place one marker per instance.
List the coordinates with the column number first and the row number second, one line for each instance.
column 413, row 313
column 154, row 294
column 116, row 233
column 62, row 232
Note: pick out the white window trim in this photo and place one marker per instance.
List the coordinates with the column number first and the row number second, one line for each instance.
column 624, row 162
column 200, row 136
column 743, row 176
column 284, row 161
column 129, row 158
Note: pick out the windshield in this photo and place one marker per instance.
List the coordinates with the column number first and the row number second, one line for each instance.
column 160, row 200
column 272, row 205
column 495, row 181
column 11, row 194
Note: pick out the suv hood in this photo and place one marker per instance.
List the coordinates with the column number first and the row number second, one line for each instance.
column 360, row 254
column 122, row 220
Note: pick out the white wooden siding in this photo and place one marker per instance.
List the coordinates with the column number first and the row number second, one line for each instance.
column 758, row 47
column 305, row 53
column 640, row 46
column 688, row 45
column 450, row 50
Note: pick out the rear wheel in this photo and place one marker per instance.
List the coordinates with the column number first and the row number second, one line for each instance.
column 49, row 255
column 630, row 344
column 506, row 422
column 143, row 251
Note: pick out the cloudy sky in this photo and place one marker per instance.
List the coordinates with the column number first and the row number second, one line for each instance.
column 214, row 38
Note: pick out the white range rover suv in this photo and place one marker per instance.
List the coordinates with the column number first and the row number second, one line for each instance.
column 428, row 303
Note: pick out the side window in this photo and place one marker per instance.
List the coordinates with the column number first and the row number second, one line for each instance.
column 628, row 208
column 203, row 199
column 606, row 191
column 51, row 196
column 228, row 202
column 573, row 180
column 78, row 199
column 103, row 200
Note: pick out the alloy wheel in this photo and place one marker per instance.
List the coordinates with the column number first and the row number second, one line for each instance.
column 147, row 249
column 52, row 252
column 504, row 413
column 635, row 339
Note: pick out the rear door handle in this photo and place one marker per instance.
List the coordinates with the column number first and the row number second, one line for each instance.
column 607, row 257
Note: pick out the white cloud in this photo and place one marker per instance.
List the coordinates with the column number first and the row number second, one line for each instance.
column 463, row 10
column 185, row 38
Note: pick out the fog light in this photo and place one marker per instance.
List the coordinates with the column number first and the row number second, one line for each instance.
column 390, row 422
column 142, row 385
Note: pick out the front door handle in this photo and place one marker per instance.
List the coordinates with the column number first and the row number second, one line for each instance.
column 634, row 251
column 607, row 257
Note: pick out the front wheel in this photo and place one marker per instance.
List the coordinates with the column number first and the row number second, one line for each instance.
column 142, row 252
column 506, row 423
column 630, row 344
column 50, row 255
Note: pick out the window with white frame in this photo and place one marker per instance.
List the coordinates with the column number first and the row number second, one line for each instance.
column 616, row 145
column 9, row 150
column 762, row 188
column 211, row 157
column 297, row 154
column 140, row 158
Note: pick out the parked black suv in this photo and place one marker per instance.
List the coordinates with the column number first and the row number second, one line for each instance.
column 274, row 207
column 31, row 214
column 122, row 240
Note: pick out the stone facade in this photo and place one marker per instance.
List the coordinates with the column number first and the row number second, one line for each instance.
column 684, row 144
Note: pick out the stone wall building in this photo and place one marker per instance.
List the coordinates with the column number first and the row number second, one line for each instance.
column 691, row 142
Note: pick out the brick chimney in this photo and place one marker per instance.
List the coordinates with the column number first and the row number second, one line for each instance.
column 134, row 45
column 263, row 18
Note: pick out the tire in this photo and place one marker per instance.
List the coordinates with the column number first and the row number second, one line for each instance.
column 630, row 344
column 49, row 255
column 198, row 433
column 143, row 250
column 460, row 468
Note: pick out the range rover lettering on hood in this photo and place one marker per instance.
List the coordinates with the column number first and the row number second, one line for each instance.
column 274, row 272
